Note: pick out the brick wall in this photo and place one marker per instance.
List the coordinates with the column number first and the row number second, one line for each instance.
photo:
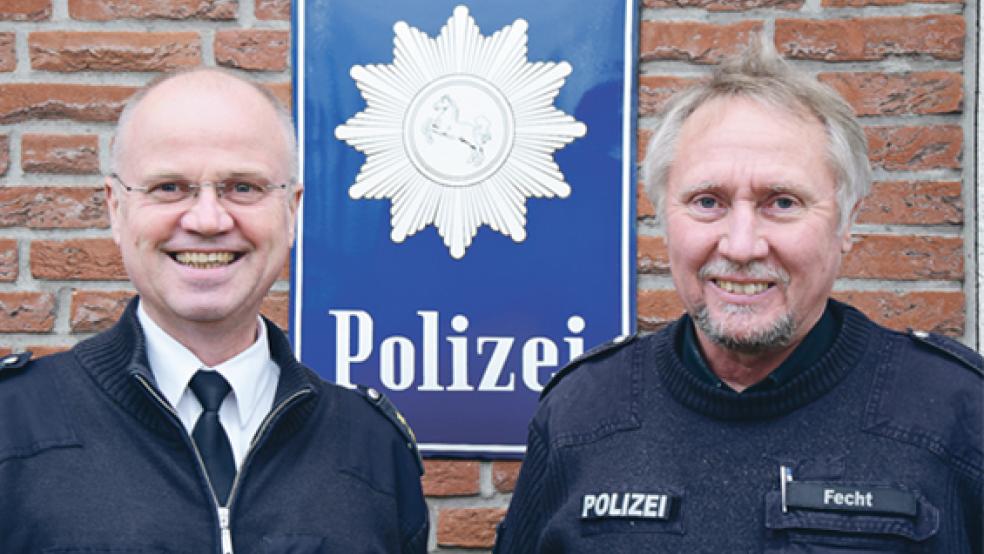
column 66, row 66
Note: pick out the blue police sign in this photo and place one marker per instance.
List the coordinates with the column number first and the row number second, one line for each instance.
column 468, row 219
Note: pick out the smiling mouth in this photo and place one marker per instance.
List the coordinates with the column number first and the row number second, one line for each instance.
column 747, row 289
column 205, row 260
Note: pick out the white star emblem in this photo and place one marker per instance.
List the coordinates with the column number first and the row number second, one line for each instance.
column 459, row 131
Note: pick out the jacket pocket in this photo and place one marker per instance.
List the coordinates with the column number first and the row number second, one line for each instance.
column 805, row 531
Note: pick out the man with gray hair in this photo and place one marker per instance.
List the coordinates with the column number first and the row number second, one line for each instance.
column 769, row 418
column 189, row 426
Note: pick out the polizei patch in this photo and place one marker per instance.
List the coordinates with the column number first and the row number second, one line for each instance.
column 626, row 505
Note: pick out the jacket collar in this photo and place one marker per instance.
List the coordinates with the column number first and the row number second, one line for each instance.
column 116, row 360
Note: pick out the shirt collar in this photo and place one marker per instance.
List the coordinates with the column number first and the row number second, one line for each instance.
column 173, row 365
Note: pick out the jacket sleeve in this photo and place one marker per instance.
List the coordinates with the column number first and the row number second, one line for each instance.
column 414, row 523
column 530, row 507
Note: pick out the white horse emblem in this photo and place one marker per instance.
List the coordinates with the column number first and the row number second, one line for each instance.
column 447, row 123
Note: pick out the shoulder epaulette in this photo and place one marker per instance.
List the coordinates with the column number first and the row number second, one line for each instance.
column 389, row 411
column 613, row 344
column 12, row 362
column 951, row 348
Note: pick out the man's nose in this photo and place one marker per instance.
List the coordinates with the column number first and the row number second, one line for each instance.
column 743, row 240
column 207, row 215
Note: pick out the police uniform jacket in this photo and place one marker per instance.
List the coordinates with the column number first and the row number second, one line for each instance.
column 874, row 448
column 93, row 460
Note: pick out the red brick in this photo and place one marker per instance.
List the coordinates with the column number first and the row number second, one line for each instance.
column 873, row 93
column 725, row 5
column 504, row 475
column 468, row 527
column 938, row 312
column 862, row 3
column 4, row 350
column 655, row 90
column 904, row 258
column 23, row 101
column 694, row 41
column 79, row 259
column 8, row 260
column 27, row 312
column 76, row 154
column 656, row 308
column 644, row 208
column 103, row 51
column 913, row 203
column 450, row 478
column 94, row 311
column 651, row 255
column 254, row 49
column 283, row 91
column 53, row 207
column 4, row 154
column 643, row 136
column 272, row 9
column 276, row 307
column 41, row 350
column 915, row 148
column 25, row 10
column 873, row 38
column 106, row 10
column 8, row 52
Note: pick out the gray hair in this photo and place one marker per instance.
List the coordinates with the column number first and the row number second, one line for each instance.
column 283, row 114
column 760, row 74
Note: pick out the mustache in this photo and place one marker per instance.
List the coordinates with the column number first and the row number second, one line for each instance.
column 754, row 270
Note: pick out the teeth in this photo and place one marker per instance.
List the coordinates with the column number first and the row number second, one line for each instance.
column 742, row 288
column 205, row 260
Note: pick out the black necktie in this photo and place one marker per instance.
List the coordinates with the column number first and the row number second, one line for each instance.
column 213, row 444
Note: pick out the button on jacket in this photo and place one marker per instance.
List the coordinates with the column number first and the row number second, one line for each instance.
column 93, row 460
column 876, row 447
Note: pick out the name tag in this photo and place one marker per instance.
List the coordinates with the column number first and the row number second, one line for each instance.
column 814, row 495
column 626, row 505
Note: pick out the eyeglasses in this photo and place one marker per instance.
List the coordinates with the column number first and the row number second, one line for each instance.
column 238, row 190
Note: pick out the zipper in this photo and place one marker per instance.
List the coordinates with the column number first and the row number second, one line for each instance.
column 260, row 432
column 226, row 532
column 223, row 512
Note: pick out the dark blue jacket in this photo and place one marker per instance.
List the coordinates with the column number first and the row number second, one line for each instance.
column 880, row 443
column 92, row 461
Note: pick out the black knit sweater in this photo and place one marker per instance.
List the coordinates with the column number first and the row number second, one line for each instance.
column 881, row 410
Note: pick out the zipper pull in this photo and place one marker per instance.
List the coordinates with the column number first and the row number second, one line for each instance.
column 226, row 532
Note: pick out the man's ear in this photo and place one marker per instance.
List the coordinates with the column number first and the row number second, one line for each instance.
column 293, row 205
column 113, row 208
column 847, row 241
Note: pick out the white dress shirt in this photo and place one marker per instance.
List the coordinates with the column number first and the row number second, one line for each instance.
column 252, row 374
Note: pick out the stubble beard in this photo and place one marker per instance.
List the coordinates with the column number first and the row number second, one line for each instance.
column 775, row 337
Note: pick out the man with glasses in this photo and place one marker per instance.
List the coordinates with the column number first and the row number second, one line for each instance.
column 189, row 426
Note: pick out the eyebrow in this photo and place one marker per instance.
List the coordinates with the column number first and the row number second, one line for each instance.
column 164, row 176
column 802, row 192
column 174, row 176
column 701, row 188
column 705, row 187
